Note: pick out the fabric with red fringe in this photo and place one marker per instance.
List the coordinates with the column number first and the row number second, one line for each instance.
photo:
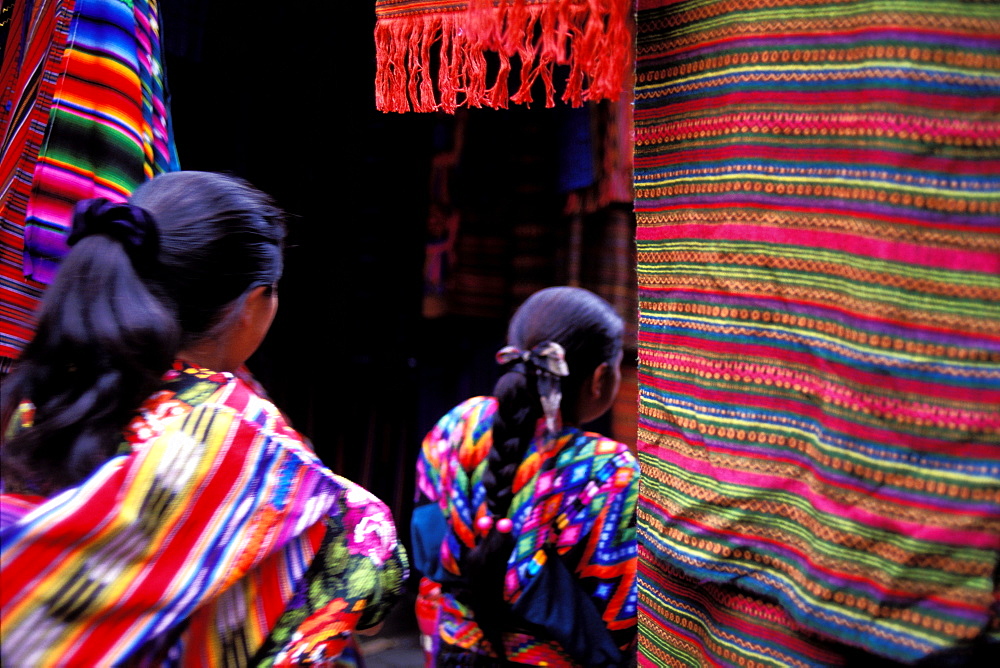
column 435, row 55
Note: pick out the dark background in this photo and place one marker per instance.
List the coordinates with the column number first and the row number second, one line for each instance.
column 282, row 94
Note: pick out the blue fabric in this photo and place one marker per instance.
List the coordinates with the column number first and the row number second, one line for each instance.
column 427, row 529
column 576, row 150
column 554, row 601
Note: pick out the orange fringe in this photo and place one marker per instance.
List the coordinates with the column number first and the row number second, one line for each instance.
column 592, row 37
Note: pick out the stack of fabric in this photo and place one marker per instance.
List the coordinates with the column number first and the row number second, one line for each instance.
column 818, row 203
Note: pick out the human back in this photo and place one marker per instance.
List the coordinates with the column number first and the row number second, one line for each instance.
column 533, row 511
column 142, row 281
column 158, row 507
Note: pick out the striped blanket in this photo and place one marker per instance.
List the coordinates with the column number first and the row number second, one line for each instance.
column 818, row 202
column 28, row 76
column 84, row 114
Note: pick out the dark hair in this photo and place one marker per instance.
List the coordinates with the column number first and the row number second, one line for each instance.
column 590, row 331
column 113, row 320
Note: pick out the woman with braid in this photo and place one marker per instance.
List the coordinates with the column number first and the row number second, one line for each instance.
column 525, row 521
column 157, row 509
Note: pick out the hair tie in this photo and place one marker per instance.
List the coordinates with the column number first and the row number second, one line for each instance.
column 549, row 361
column 132, row 226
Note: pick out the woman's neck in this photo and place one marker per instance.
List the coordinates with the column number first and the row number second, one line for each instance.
column 209, row 355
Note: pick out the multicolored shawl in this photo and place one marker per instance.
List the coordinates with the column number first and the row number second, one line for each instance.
column 576, row 491
column 432, row 54
column 818, row 199
column 215, row 537
column 84, row 114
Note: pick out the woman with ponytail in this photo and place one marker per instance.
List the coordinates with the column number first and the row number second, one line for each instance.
column 525, row 523
column 156, row 508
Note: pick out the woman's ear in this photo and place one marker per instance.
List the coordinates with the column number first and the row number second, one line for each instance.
column 599, row 380
column 256, row 305
column 598, row 393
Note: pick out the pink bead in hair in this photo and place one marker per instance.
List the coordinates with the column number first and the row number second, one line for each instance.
column 484, row 523
column 504, row 525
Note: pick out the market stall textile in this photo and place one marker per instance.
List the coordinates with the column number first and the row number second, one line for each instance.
column 443, row 54
column 35, row 44
column 818, row 207
column 85, row 114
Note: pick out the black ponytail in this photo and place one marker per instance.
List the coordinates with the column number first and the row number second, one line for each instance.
column 141, row 283
column 102, row 342
column 591, row 333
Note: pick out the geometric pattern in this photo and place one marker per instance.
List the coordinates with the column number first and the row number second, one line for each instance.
column 818, row 203
column 575, row 491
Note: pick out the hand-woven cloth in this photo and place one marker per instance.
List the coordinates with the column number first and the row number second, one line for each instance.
column 432, row 55
column 83, row 114
column 31, row 58
column 108, row 128
column 575, row 491
column 818, row 203
column 214, row 538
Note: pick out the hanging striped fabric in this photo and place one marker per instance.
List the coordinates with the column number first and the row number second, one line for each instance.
column 818, row 201
column 108, row 127
column 28, row 77
column 84, row 114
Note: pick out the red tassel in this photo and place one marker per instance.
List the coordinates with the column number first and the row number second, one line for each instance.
column 592, row 37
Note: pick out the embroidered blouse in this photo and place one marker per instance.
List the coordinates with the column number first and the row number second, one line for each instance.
column 215, row 537
column 574, row 499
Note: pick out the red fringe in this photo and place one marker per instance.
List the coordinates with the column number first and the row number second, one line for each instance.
column 590, row 36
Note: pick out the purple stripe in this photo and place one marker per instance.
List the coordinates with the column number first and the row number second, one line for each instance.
column 910, row 331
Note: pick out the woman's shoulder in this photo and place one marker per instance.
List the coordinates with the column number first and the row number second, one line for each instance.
column 363, row 502
column 366, row 525
column 221, row 400
column 587, row 445
column 474, row 406
column 476, row 412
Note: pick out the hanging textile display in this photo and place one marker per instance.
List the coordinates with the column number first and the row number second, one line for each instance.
column 818, row 207
column 31, row 58
column 444, row 54
column 84, row 115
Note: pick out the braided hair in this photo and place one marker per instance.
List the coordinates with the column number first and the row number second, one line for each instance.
column 141, row 282
column 590, row 332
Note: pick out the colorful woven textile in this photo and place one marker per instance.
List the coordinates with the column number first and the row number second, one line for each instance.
column 818, row 202
column 108, row 127
column 28, row 76
column 432, row 54
column 83, row 114
column 214, row 537
column 576, row 491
